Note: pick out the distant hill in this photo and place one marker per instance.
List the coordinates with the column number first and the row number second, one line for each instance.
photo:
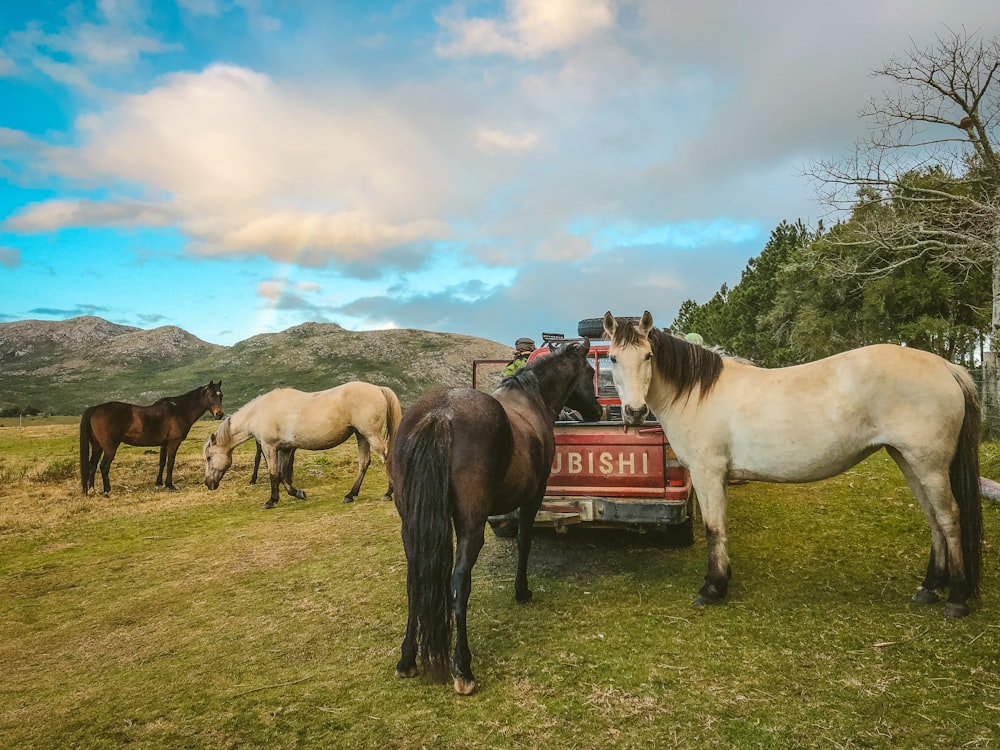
column 63, row 367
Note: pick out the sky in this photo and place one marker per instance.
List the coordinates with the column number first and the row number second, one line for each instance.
column 497, row 169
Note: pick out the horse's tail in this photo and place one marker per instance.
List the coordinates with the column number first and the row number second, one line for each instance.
column 427, row 538
column 85, row 448
column 965, row 482
column 393, row 416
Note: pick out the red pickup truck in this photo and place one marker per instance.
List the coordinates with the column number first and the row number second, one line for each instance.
column 603, row 475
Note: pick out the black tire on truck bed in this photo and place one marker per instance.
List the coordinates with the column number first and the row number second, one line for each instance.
column 593, row 328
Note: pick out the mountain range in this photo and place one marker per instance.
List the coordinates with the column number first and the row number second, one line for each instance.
column 62, row 367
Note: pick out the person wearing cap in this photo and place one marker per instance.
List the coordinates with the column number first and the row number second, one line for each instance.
column 522, row 348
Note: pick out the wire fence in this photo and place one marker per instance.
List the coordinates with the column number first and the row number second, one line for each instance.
column 986, row 379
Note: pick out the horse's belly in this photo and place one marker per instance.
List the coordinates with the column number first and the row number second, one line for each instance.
column 795, row 463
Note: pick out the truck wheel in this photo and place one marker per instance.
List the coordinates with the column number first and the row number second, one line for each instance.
column 505, row 528
column 593, row 328
column 678, row 535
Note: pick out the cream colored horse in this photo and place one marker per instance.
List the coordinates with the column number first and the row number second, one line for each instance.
column 728, row 419
column 285, row 419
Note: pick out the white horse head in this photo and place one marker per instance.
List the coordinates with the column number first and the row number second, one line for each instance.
column 218, row 458
column 632, row 356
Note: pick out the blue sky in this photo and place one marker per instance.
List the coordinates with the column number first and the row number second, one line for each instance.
column 236, row 167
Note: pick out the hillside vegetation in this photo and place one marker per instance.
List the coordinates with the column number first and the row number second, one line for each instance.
column 63, row 367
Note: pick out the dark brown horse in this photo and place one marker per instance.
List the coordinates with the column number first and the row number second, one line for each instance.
column 462, row 455
column 165, row 423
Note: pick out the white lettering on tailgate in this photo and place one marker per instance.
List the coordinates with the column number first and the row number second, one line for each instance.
column 574, row 462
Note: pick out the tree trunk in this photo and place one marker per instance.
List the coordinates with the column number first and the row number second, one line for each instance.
column 991, row 373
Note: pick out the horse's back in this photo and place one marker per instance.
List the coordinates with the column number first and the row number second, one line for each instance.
column 316, row 420
column 111, row 420
column 817, row 419
column 475, row 417
column 481, row 438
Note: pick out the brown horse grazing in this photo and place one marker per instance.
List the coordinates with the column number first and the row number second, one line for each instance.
column 462, row 455
column 165, row 423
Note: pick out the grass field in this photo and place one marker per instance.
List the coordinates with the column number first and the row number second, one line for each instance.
column 194, row 619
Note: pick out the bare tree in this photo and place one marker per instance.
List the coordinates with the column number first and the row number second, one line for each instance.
column 925, row 180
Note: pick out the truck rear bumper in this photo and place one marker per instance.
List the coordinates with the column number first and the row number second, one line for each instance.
column 602, row 511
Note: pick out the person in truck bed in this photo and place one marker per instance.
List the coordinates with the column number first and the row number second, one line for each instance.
column 522, row 348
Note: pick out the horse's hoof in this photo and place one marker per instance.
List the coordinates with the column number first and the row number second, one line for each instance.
column 705, row 601
column 386, row 498
column 404, row 674
column 300, row 494
column 171, row 488
column 956, row 610
column 926, row 596
column 523, row 598
column 269, row 504
column 348, row 498
column 465, row 687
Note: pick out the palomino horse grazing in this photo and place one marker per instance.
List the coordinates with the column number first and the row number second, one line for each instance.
column 165, row 423
column 729, row 419
column 285, row 419
column 461, row 456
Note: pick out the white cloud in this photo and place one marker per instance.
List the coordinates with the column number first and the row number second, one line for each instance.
column 7, row 66
column 489, row 139
column 62, row 213
column 212, row 8
column 244, row 165
column 530, row 28
column 10, row 257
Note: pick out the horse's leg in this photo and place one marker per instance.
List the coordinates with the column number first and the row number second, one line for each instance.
column 937, row 571
column 407, row 664
column 364, row 461
column 710, row 487
column 525, row 531
column 272, row 456
column 382, row 448
column 256, row 461
column 163, row 462
column 171, row 449
column 109, row 456
column 469, row 543
column 932, row 486
column 286, row 465
column 95, row 459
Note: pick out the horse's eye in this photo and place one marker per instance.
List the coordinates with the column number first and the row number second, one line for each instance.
column 614, row 360
column 649, row 356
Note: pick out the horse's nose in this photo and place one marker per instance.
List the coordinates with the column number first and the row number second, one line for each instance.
column 635, row 415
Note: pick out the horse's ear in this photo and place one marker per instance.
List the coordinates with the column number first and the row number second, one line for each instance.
column 610, row 324
column 585, row 345
column 212, row 439
column 645, row 323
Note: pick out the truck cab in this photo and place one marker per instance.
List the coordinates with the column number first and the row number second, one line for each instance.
column 604, row 475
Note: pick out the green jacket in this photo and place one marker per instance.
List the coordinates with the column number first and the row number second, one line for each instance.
column 515, row 364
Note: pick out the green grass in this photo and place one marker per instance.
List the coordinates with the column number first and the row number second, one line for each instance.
column 195, row 619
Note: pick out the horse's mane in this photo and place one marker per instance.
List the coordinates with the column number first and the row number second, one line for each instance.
column 222, row 434
column 525, row 379
column 684, row 364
